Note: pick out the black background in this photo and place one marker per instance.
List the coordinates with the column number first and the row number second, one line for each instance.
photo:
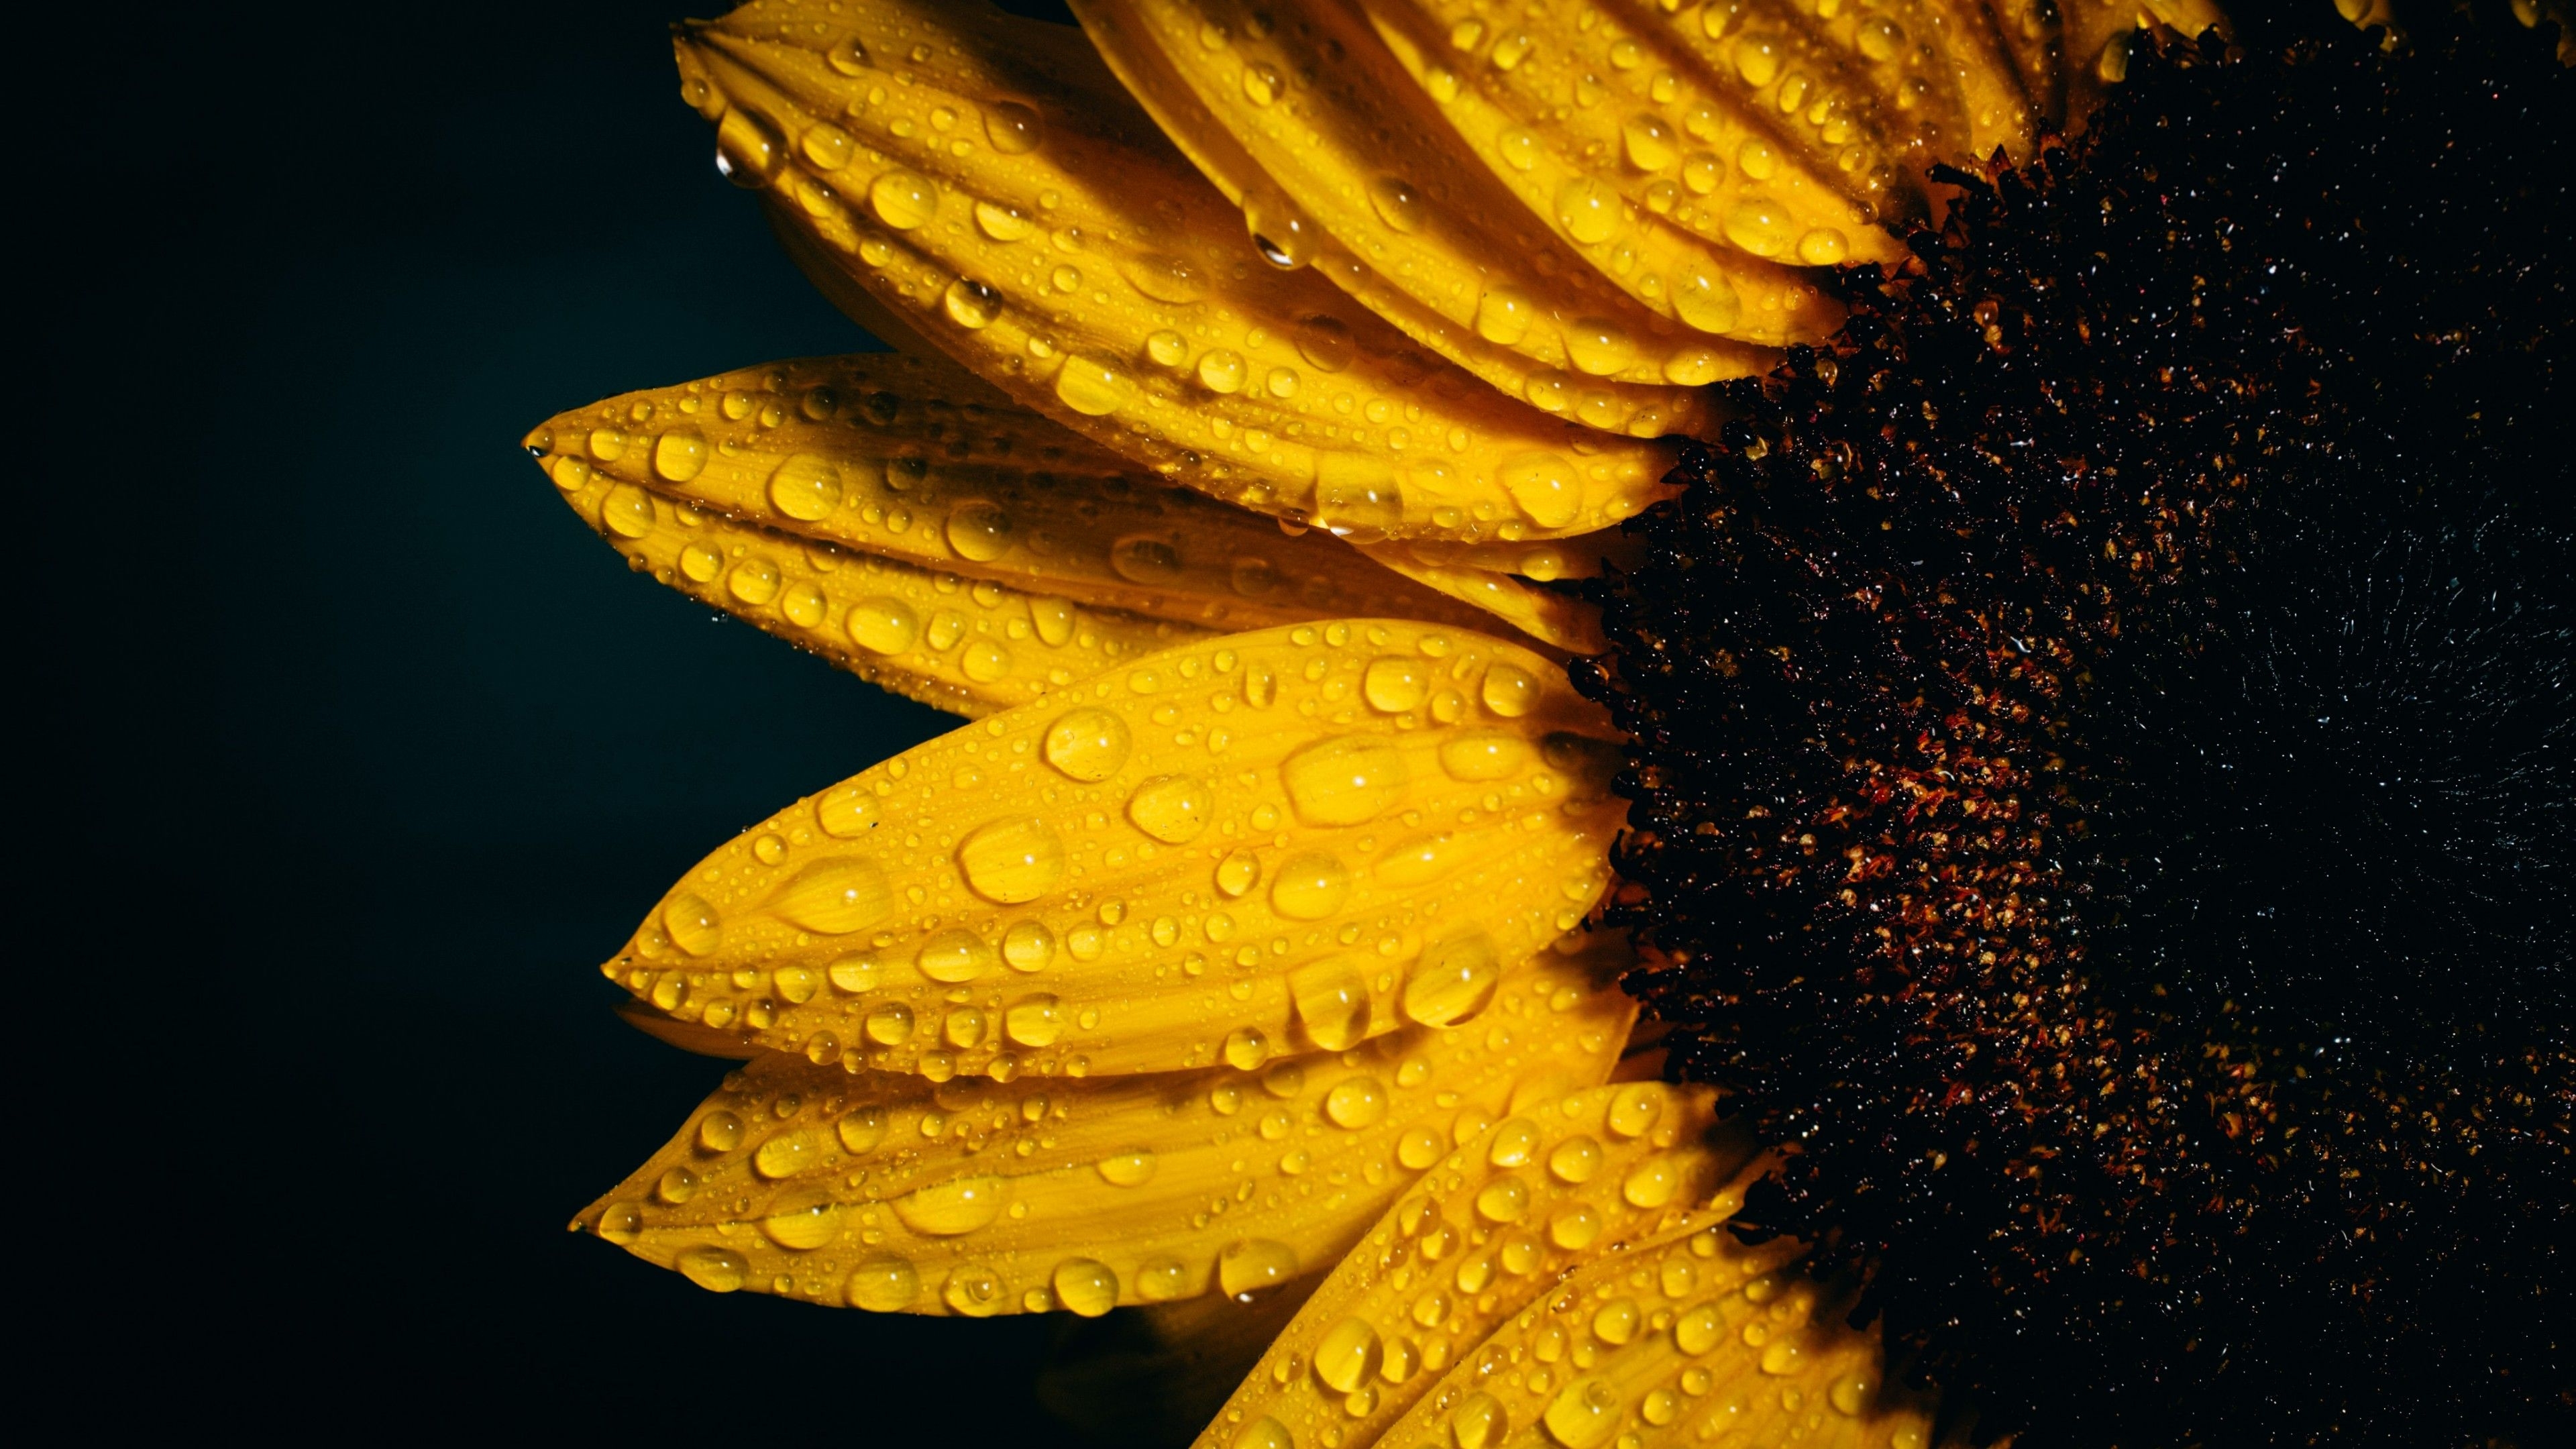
column 358, row 751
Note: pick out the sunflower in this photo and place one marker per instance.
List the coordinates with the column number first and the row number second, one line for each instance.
column 1339, row 456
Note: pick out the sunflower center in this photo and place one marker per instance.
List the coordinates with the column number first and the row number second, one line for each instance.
column 2102, row 769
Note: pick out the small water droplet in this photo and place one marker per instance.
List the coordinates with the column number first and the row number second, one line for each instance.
column 883, row 1285
column 805, row 487
column 834, row 897
column 971, row 304
column 1395, row 683
column 1398, row 204
column 1246, row 1048
column 1034, row 1021
column 720, row 1131
column 883, row 625
column 692, row 924
column 1085, row 1286
column 1092, row 387
column 1132, row 1168
column 1356, row 1103
column 1584, row 1413
column 803, row 1220
column 1331, row 1000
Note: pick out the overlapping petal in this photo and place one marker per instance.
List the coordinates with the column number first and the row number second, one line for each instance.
column 987, row 182
column 1265, row 842
column 891, row 1192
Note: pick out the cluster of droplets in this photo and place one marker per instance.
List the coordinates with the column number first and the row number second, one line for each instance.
column 1319, row 833
column 1111, row 307
column 894, row 1193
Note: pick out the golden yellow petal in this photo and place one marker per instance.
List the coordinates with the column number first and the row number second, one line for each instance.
column 971, row 646
column 987, row 180
column 2098, row 36
column 915, row 460
column 1155, row 1374
column 2033, row 35
column 1267, row 842
column 973, row 1196
column 1677, row 1342
column 1601, row 1176
column 1314, row 129
column 1567, row 622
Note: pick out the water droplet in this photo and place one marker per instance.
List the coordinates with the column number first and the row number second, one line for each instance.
column 1509, row 691
column 1504, row 315
column 973, row 1291
column 1262, row 83
column 692, row 924
column 1480, row 1420
column 1418, row 1148
column 1706, row 300
column 971, row 304
column 1345, row 781
column 1002, row 223
column 834, row 897
column 1148, row 559
column 1649, row 142
column 1822, row 247
column 622, row 1222
column 1589, row 211
column 1395, row 683
column 1598, row 347
column 1512, row 49
column 805, row 488
column 1757, row 59
column 1085, row 1286
column 1221, row 371
column 1093, row 388
column 1246, row 1048
column 1783, row 1355
column 1699, row 1330
column 1356, row 1103
column 862, row 1130
column 720, row 1131
column 1331, row 999
column 1348, row 1355
column 1238, row 872
column 1502, row 1200
column 1548, row 488
column 803, row 1220
column 883, row 625
column 1634, row 1110
column 1280, row 232
column 890, row 1024
column 1310, row 885
column 1247, row 1267
column 1575, row 1159
column 1088, row 744
column 1454, row 980
column 1758, row 225
column 1512, row 1142
column 1013, row 127
column 1575, row 1227
column 1012, row 860
column 1265, row 1433
column 1397, row 203
column 1583, row 1413
column 903, row 200
column 785, row 1155
column 883, row 1285
column 679, row 455
column 1166, row 279
column 627, row 511
column 748, row 150
column 979, row 530
column 1652, row 1183
column 676, row 1185
column 1034, row 1021
column 1326, row 342
column 1854, row 1390
column 1133, row 1168
column 951, row 1208
column 1172, row 808
column 717, row 1270
column 1481, row 755
column 956, row 955
column 848, row 56
column 828, row 147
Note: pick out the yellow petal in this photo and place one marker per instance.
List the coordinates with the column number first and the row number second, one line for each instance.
column 2033, row 35
column 1678, row 1342
column 1267, row 842
column 969, row 646
column 2097, row 40
column 1567, row 622
column 972, row 1196
column 916, row 461
column 1156, row 1373
column 1677, row 169
column 1604, row 1176
column 1316, row 122
column 1006, row 198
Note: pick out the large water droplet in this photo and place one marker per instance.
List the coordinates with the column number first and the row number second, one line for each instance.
column 805, row 488
column 627, row 511
column 622, row 1222
column 1034, row 1021
column 956, row 955
column 951, row 1208
column 748, row 149
column 1326, row 342
column 717, row 1270
column 1088, row 744
column 971, row 304
column 1092, row 387
column 1575, row 1159
column 1283, row 235
column 1310, row 885
column 1246, row 1048
column 848, row 56
column 1503, row 1200
column 883, row 1285
column 1348, row 1355
column 973, row 1291
column 1599, row 347
column 1356, row 1103
column 1265, row 1433
column 803, row 1220
column 1028, row 946
column 786, row 1154
column 1085, row 1286
column 1589, row 211
column 1649, row 142
column 1395, row 683
column 1481, row 755
column 692, row 924
column 1454, row 980
column 1132, row 1168
column 1172, row 808
column 903, row 200
column 1547, row 486
column 720, row 1131
column 1247, row 1267
column 1345, row 781
column 834, row 897
column 1332, row 1002
column 1504, row 315
column 883, row 625
column 1221, row 371
column 979, row 530
column 1509, row 691
column 1012, row 860
column 862, row 1129
column 828, row 147
column 680, row 454
column 1014, row 127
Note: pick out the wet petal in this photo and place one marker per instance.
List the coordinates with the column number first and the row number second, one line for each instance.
column 2097, row 38
column 1602, row 1177
column 988, row 181
column 1299, row 837
column 1316, row 119
column 916, row 461
column 974, row 1196
column 970, row 646
column 1569, row 623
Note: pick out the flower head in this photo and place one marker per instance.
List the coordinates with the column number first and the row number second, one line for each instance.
column 1284, row 392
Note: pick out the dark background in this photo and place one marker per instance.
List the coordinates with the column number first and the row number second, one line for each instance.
column 355, row 750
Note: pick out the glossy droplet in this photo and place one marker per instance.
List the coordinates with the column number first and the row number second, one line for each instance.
column 1547, row 487
column 749, row 152
column 1239, row 872
column 971, row 304
column 1588, row 210
column 1481, row 755
column 1758, row 225
column 1706, row 301
column 1331, row 1000
column 1418, row 1148
column 676, row 1185
column 679, row 455
column 1699, row 1330
column 1262, row 83
column 1172, row 808
column 956, row 955
column 1144, row 558
column 1616, row 1322
column 1822, row 247
column 1503, row 1200
column 1248, row 1266
column 1854, row 1391
column 1221, row 371
column 1348, row 1355
column 803, row 1220
column 973, row 1291
column 834, row 897
column 1034, row 1021
column 1028, row 946
column 1395, row 683
column 979, row 530
column 1575, row 1227
column 1599, row 347
column 1504, row 315
column 1584, row 1413
column 1014, row 127
column 1280, row 232
column 753, row 581
column 1002, row 223
column 861, row 1130
column 903, row 200
column 622, row 1222
column 1246, row 1048
column 1453, row 981
column 1092, row 387
column 1783, row 1355
column 1310, row 885
column 1265, row 1433
column 848, row 56
column 1652, row 1183
column 1509, row 691
column 1649, row 142
column 1397, row 203
column 1511, row 1143
column 1356, row 1103
column 1012, row 860
column 1132, row 1168
column 786, row 1155
column 1344, row 781
column 1085, row 1286
column 720, row 1131
column 805, row 488
column 692, row 924
column 984, row 661
column 1575, row 1159
column 717, row 1270
column 1326, row 342
column 1088, row 744
column 890, row 1024
column 1634, row 1110
column 1174, row 280
column 627, row 511
column 883, row 1285
column 883, row 625
column 951, row 1208
column 828, row 147
column 1479, row 1422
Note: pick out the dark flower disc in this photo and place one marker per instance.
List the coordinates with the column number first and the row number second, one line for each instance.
column 2102, row 759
